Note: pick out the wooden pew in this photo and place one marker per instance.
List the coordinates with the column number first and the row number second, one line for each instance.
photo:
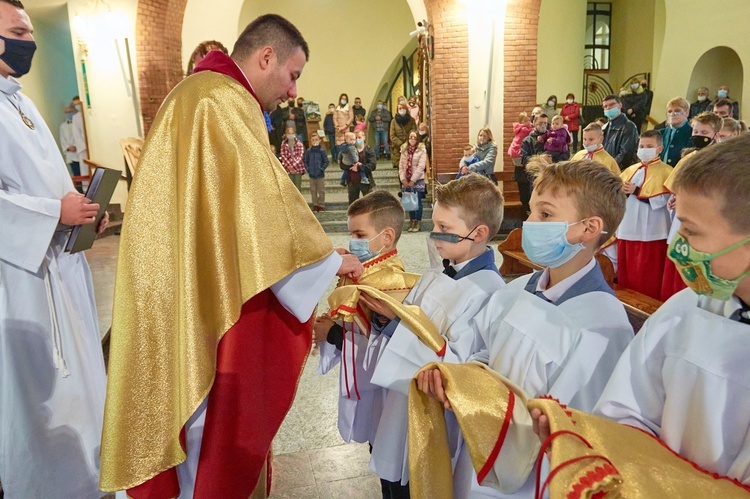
column 515, row 262
column 512, row 208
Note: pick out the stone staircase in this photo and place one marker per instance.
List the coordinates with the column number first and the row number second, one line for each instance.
column 333, row 219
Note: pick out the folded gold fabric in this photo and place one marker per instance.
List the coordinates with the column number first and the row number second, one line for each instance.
column 386, row 273
column 487, row 408
column 344, row 303
column 592, row 456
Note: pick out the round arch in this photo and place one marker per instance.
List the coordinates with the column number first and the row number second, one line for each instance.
column 716, row 67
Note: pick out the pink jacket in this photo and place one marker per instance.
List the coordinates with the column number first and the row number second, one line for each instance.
column 521, row 132
column 418, row 163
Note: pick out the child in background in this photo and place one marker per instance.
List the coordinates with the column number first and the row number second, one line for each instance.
column 469, row 159
column 642, row 236
column 359, row 123
column 730, row 128
column 521, row 130
column 467, row 214
column 593, row 137
column 274, row 151
column 292, row 152
column 684, row 377
column 330, row 130
column 556, row 140
column 348, row 157
column 375, row 222
column 316, row 162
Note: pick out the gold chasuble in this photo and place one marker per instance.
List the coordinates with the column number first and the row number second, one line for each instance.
column 212, row 222
column 385, row 273
column 592, row 456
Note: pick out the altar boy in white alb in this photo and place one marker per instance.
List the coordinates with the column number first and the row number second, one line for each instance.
column 684, row 378
column 52, row 377
column 556, row 332
column 467, row 214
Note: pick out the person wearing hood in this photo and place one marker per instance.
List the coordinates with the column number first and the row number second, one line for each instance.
column 401, row 126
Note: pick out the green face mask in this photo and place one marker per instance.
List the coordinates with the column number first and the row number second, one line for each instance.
column 695, row 269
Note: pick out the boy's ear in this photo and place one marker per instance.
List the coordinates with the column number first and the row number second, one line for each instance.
column 481, row 233
column 389, row 235
column 593, row 229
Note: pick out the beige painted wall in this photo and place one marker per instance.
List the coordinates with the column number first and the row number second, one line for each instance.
column 685, row 43
column 632, row 39
column 562, row 27
column 51, row 83
column 347, row 53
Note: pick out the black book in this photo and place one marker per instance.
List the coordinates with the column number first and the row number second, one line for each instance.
column 99, row 191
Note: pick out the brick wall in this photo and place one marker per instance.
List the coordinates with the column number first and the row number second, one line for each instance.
column 449, row 82
column 158, row 52
column 520, row 40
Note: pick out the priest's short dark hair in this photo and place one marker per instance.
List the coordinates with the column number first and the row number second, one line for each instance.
column 14, row 3
column 273, row 30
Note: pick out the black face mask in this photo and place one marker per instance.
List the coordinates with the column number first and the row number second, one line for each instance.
column 451, row 238
column 18, row 55
column 699, row 141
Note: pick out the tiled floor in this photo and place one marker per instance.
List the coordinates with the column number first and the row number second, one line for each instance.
column 311, row 460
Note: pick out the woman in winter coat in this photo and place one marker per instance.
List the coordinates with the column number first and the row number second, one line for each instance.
column 343, row 117
column 401, row 126
column 412, row 163
column 571, row 112
column 487, row 154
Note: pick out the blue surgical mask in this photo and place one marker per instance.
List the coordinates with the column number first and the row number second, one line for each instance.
column 361, row 248
column 722, row 94
column 380, row 107
column 69, row 116
column 546, row 243
column 451, row 238
column 359, row 142
column 612, row 113
column 343, row 102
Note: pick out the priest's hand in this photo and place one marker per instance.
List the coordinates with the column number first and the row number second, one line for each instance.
column 103, row 223
column 350, row 266
column 431, row 383
column 377, row 306
column 540, row 424
column 77, row 209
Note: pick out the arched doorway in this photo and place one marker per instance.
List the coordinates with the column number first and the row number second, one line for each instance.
column 716, row 67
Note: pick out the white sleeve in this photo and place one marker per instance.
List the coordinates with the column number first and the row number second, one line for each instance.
column 634, row 394
column 79, row 137
column 64, row 139
column 300, row 291
column 27, row 224
column 659, row 201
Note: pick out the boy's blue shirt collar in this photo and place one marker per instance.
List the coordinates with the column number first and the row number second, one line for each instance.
column 485, row 261
column 592, row 281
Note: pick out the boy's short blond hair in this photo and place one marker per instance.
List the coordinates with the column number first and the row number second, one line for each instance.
column 350, row 134
column 594, row 127
column 679, row 102
column 557, row 117
column 711, row 119
column 595, row 189
column 720, row 171
column 477, row 199
column 385, row 211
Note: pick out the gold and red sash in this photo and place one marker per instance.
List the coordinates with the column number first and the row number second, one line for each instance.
column 592, row 456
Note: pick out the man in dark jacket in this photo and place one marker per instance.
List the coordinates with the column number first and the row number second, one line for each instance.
column 532, row 145
column 381, row 118
column 702, row 104
column 330, row 130
column 620, row 134
column 358, row 109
